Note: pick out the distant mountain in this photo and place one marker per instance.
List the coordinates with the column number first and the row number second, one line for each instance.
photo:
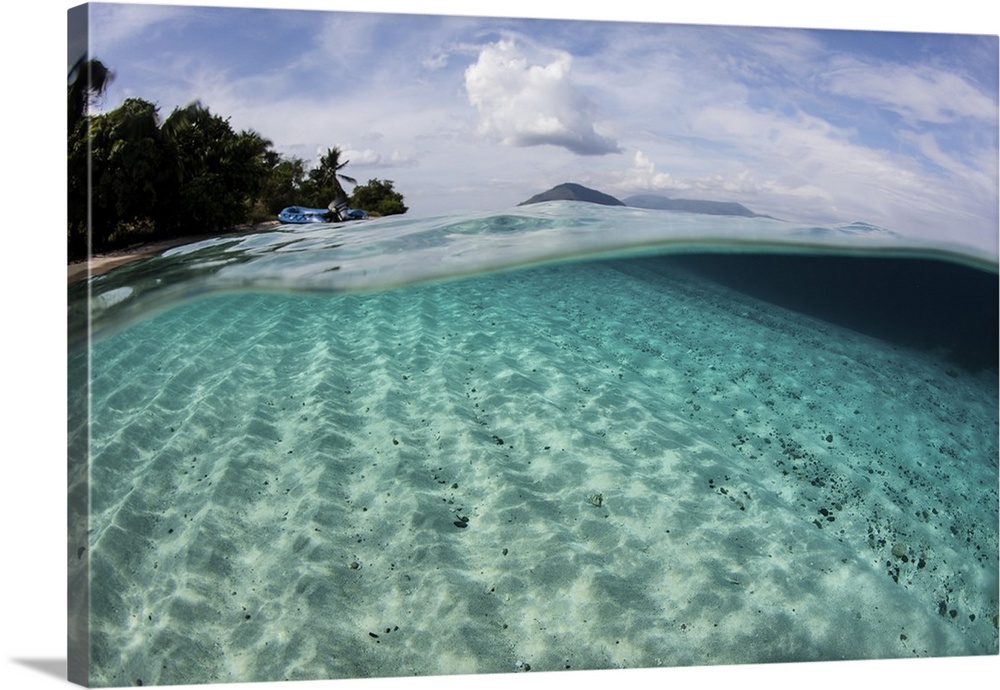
column 569, row 191
column 715, row 208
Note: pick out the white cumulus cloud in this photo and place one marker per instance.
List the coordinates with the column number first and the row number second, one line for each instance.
column 522, row 104
column 644, row 176
column 376, row 159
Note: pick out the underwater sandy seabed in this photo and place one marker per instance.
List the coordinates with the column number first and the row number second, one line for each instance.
column 593, row 465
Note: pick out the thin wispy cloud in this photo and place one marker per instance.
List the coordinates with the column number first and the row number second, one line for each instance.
column 920, row 94
column 125, row 22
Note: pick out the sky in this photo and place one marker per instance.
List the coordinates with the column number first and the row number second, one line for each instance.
column 895, row 128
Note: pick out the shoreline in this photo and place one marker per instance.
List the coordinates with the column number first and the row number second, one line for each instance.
column 99, row 264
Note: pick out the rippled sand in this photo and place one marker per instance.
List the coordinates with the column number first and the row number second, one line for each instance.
column 597, row 465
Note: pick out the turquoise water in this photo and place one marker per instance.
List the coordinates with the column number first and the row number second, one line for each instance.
column 364, row 450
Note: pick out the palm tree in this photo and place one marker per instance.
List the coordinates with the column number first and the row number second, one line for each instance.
column 326, row 177
column 88, row 79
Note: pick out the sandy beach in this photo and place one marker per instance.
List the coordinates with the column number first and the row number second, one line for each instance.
column 518, row 472
column 102, row 263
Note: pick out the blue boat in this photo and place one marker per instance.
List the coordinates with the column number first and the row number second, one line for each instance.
column 301, row 215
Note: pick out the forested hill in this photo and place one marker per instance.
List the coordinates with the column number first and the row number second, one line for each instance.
column 570, row 191
column 715, row 208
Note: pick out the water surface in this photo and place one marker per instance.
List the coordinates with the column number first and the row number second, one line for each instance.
column 652, row 439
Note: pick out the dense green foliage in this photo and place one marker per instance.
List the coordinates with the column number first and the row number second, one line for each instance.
column 284, row 184
column 378, row 198
column 217, row 173
column 135, row 177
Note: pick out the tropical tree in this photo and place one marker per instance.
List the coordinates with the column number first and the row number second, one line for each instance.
column 377, row 197
column 221, row 172
column 322, row 185
column 116, row 164
column 283, row 184
column 131, row 174
column 88, row 80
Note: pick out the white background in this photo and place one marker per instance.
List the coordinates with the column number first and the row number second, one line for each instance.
column 33, row 389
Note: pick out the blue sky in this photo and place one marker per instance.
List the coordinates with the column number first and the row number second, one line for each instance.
column 470, row 113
